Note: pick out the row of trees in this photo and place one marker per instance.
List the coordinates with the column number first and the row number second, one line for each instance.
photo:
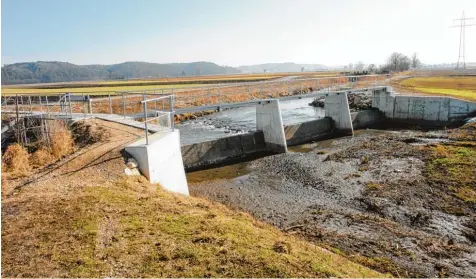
column 396, row 62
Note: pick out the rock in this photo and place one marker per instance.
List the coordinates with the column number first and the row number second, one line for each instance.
column 318, row 102
column 131, row 172
column 132, row 163
column 360, row 101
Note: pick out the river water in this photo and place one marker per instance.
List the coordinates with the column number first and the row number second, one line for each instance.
column 242, row 120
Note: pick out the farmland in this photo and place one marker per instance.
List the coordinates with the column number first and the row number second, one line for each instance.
column 105, row 87
column 463, row 87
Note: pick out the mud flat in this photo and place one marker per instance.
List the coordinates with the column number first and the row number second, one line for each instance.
column 402, row 202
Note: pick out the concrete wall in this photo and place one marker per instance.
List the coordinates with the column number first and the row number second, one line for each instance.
column 161, row 160
column 270, row 121
column 428, row 110
column 337, row 108
column 308, row 131
column 221, row 150
column 366, row 118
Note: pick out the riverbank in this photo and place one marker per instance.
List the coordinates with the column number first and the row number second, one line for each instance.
column 400, row 202
column 83, row 217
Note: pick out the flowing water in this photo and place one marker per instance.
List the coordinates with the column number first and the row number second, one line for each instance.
column 243, row 120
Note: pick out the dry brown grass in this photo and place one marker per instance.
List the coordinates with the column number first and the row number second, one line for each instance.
column 121, row 229
column 16, row 160
column 41, row 157
column 84, row 218
column 61, row 141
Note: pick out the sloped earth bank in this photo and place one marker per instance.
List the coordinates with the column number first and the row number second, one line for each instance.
column 401, row 202
column 82, row 217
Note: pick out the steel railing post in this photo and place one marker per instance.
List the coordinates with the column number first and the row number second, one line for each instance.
column 110, row 104
column 70, row 106
column 172, row 124
column 123, row 105
column 47, row 105
column 90, row 104
column 145, row 124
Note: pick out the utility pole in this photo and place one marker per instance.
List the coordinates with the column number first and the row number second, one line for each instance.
column 462, row 40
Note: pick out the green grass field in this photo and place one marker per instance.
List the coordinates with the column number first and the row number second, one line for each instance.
column 460, row 87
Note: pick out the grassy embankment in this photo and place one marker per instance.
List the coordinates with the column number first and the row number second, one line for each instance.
column 115, row 230
column 459, row 87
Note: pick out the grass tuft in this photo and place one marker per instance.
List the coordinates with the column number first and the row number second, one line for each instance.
column 16, row 160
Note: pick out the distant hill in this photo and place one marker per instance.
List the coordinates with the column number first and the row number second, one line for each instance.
column 280, row 67
column 41, row 71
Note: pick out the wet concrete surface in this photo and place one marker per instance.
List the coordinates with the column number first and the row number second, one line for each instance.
column 364, row 196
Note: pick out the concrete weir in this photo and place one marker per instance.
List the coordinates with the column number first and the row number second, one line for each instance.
column 163, row 160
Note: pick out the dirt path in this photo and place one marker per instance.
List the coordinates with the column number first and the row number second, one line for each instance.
column 93, row 164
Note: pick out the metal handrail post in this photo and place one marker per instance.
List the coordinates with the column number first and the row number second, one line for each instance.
column 123, row 106
column 145, row 122
column 47, row 105
column 70, row 106
column 172, row 124
column 110, row 104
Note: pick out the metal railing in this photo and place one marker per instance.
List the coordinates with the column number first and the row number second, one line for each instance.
column 169, row 113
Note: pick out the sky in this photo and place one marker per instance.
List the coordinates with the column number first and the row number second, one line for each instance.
column 233, row 32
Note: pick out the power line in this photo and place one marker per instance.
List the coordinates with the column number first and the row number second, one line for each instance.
column 462, row 40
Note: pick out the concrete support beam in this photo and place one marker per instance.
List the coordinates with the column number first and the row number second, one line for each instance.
column 161, row 160
column 270, row 121
column 337, row 108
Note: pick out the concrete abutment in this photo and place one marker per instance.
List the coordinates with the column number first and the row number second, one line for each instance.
column 270, row 121
column 337, row 108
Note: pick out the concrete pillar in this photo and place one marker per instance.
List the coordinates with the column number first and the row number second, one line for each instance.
column 270, row 121
column 337, row 108
column 384, row 100
column 161, row 160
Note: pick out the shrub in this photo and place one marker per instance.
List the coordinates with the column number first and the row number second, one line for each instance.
column 15, row 160
column 41, row 157
column 61, row 143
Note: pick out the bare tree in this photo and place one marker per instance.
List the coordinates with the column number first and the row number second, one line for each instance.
column 351, row 66
column 359, row 66
column 415, row 61
column 398, row 62
column 371, row 68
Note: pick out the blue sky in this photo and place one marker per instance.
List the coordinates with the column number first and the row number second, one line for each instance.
column 232, row 32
